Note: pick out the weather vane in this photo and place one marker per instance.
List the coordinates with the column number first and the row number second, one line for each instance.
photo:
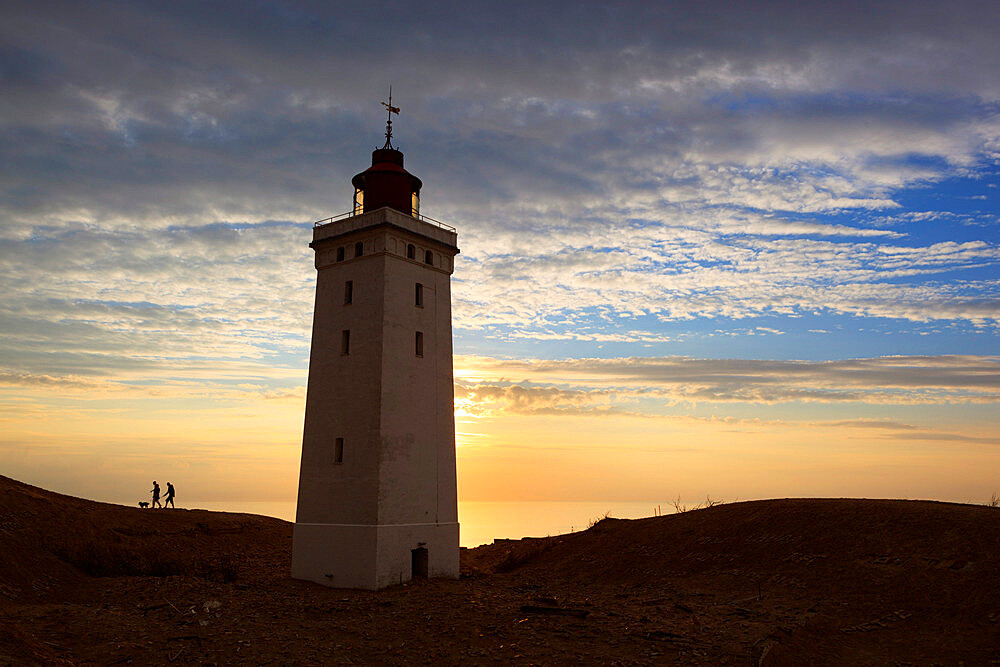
column 388, row 123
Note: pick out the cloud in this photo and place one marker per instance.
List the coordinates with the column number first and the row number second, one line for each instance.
column 616, row 179
column 62, row 383
column 96, row 301
column 623, row 104
column 484, row 399
column 122, row 387
column 870, row 423
column 913, row 380
column 947, row 437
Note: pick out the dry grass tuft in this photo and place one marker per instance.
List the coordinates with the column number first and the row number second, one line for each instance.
column 595, row 521
column 680, row 508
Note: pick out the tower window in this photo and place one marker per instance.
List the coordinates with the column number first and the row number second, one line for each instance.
column 419, row 343
column 340, row 254
column 345, row 341
column 348, row 292
column 359, row 201
column 419, row 296
column 415, row 204
column 428, row 257
column 411, row 252
column 338, row 450
column 359, row 249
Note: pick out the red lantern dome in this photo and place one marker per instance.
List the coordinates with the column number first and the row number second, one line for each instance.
column 386, row 183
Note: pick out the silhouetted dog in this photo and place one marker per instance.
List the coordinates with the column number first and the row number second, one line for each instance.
column 143, row 504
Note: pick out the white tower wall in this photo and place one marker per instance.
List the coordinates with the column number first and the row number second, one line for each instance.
column 359, row 520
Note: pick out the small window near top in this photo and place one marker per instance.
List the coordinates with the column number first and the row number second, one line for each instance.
column 419, row 296
column 415, row 204
column 428, row 257
column 359, row 249
column 349, row 292
column 419, row 343
column 338, row 450
column 340, row 254
column 345, row 341
column 411, row 252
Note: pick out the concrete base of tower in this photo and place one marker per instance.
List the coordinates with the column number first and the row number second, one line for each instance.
column 373, row 557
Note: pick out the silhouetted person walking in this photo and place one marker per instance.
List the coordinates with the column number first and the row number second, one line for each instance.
column 169, row 498
column 156, row 496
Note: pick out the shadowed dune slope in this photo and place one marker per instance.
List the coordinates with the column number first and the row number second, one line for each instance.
column 842, row 581
column 765, row 535
column 49, row 540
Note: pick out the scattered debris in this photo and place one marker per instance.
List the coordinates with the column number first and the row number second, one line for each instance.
column 556, row 611
column 878, row 623
column 663, row 636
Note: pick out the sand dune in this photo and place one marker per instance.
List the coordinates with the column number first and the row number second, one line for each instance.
column 779, row 582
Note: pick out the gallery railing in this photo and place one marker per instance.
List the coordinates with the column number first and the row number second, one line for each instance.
column 351, row 214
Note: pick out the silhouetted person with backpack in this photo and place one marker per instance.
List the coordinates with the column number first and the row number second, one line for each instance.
column 156, row 496
column 169, row 498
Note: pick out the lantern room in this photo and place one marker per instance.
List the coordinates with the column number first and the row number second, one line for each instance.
column 386, row 183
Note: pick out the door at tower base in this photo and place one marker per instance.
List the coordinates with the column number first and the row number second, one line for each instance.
column 373, row 557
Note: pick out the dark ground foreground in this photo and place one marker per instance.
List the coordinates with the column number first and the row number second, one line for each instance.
column 778, row 582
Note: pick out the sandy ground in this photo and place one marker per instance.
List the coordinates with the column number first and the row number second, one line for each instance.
column 779, row 582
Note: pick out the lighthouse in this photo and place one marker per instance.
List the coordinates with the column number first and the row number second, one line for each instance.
column 377, row 498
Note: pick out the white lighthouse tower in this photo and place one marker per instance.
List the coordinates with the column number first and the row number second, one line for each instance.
column 377, row 500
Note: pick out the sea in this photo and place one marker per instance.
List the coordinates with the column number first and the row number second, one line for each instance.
column 482, row 522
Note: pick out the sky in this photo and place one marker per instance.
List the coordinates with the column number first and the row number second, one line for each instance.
column 738, row 250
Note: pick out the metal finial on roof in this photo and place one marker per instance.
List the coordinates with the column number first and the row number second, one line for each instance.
column 388, row 123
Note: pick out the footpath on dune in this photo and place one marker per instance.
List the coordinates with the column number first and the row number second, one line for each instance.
column 794, row 581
